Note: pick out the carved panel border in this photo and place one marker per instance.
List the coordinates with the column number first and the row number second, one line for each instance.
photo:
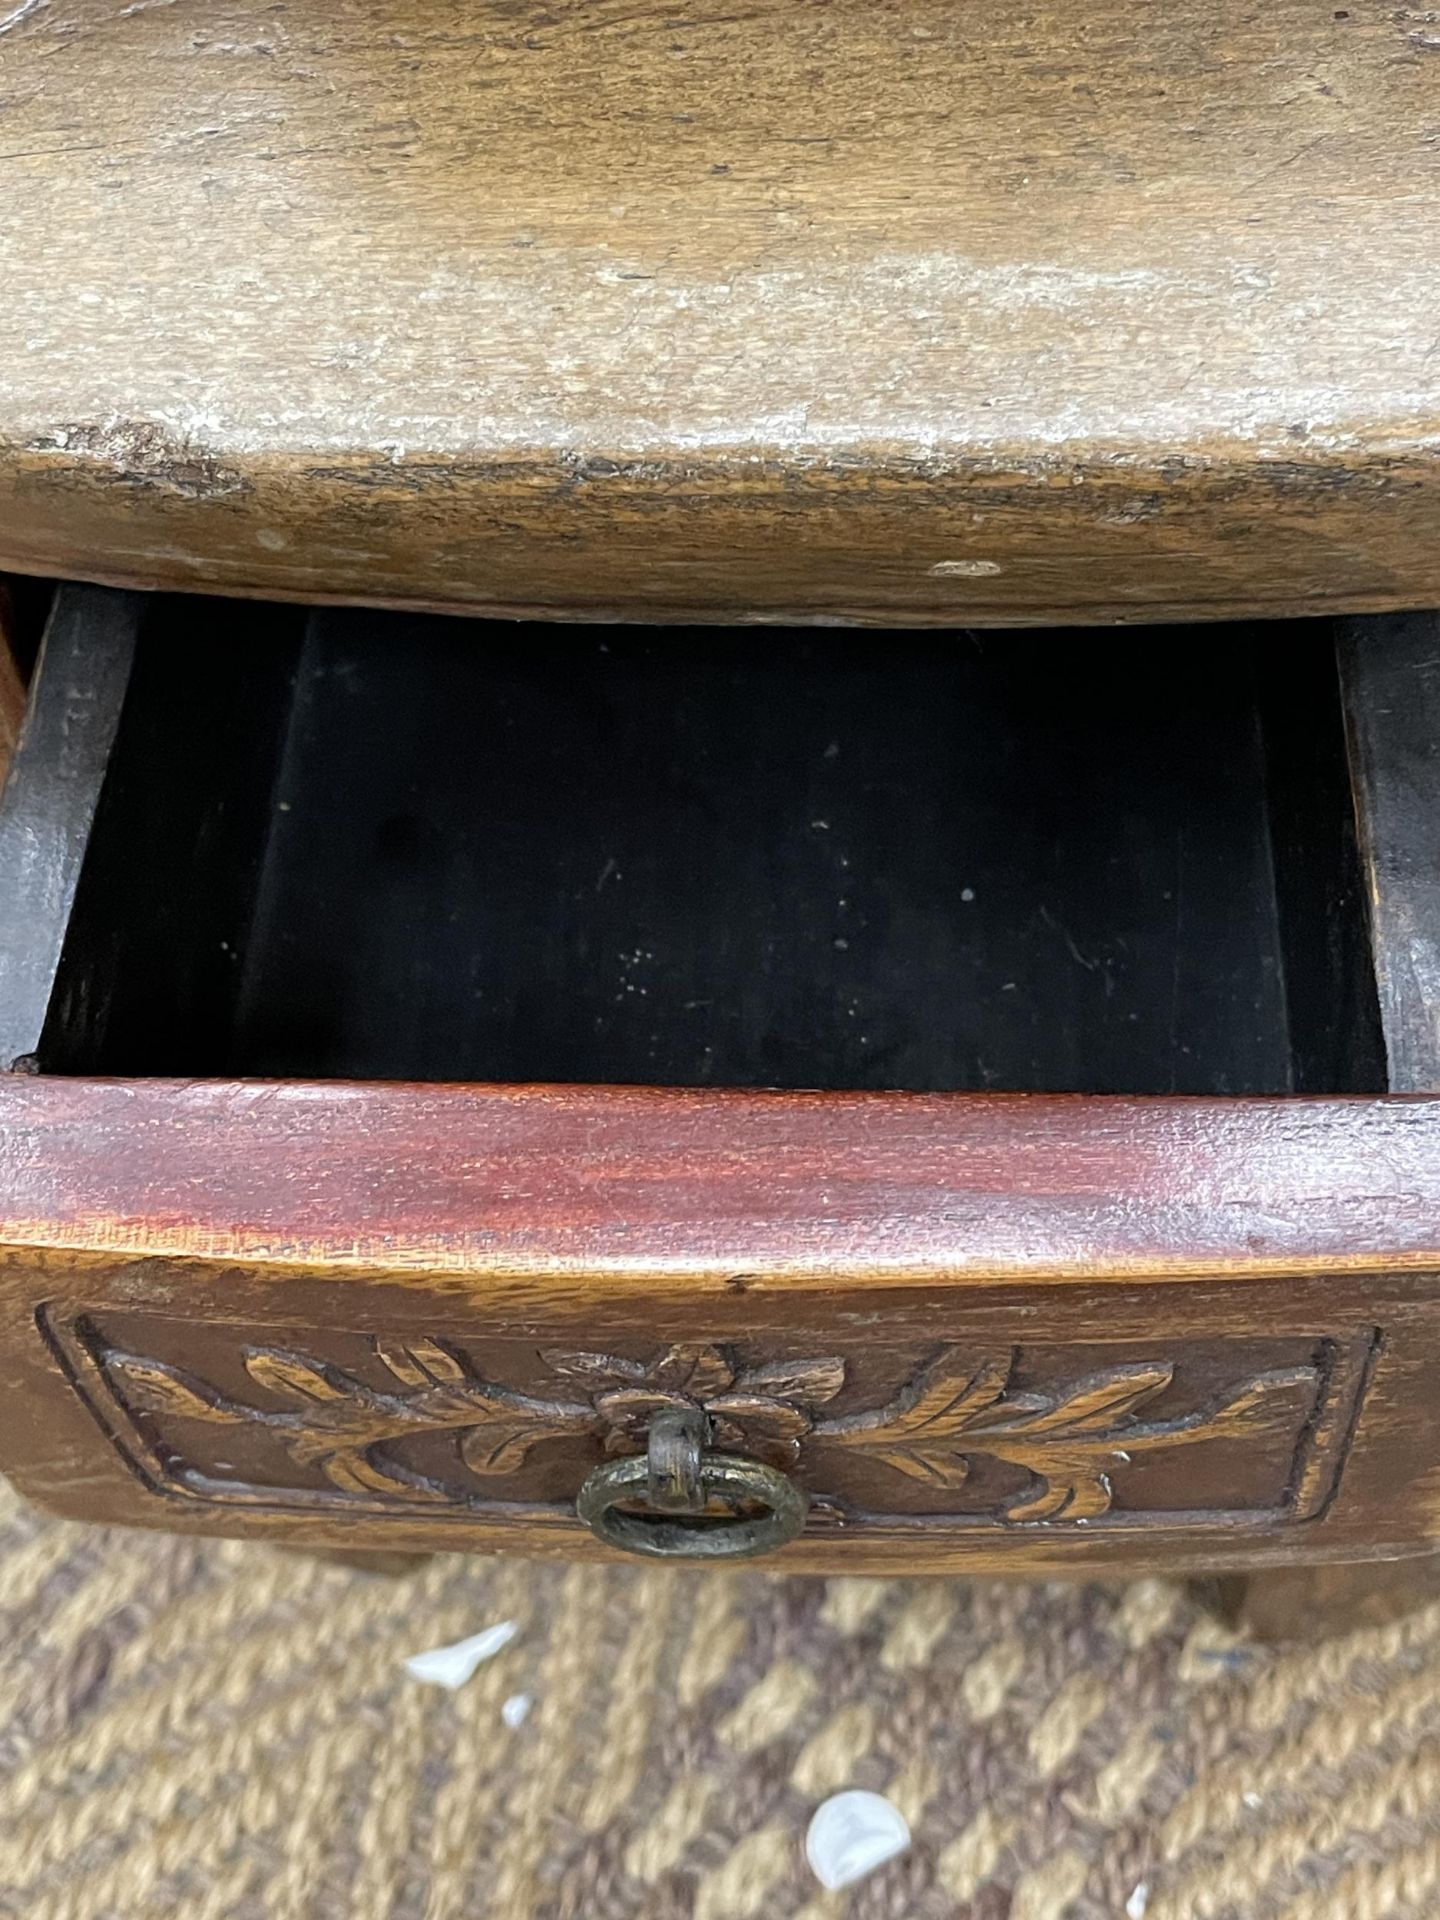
column 344, row 1434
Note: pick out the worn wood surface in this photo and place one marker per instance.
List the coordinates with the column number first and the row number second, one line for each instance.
column 1392, row 674
column 47, row 810
column 12, row 684
column 840, row 310
column 994, row 1333
column 527, row 1189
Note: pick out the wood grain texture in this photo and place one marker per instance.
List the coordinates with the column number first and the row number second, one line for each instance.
column 833, row 310
column 976, row 1439
column 12, row 684
column 987, row 1333
column 1392, row 676
column 522, row 1190
column 960, row 1443
column 47, row 811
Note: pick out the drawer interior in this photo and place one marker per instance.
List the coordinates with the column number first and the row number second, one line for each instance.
column 369, row 845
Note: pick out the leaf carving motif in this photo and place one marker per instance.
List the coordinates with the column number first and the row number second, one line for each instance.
column 957, row 1410
column 958, row 1407
column 344, row 1428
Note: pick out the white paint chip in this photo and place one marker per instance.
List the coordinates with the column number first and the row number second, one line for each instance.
column 965, row 569
column 452, row 1666
column 516, row 1710
column 851, row 1835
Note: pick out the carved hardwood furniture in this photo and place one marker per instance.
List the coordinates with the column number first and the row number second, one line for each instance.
column 378, row 996
column 973, row 1100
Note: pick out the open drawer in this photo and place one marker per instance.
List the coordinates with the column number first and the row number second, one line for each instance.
column 958, row 1097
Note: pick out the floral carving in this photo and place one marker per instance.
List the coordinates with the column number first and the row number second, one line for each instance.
column 956, row 1409
column 346, row 1429
column 764, row 1412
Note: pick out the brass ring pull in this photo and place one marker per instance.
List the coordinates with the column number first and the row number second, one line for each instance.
column 657, row 1503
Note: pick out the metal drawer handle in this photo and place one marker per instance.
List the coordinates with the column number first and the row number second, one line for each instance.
column 661, row 1503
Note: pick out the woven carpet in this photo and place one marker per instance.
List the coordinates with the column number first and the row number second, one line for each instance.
column 208, row 1729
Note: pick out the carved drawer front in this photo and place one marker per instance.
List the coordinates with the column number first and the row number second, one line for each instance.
column 925, row 1334
column 1115, row 1436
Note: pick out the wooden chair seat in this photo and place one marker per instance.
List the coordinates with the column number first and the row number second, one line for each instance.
column 921, row 312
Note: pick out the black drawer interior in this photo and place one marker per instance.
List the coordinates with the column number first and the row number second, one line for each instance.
column 369, row 845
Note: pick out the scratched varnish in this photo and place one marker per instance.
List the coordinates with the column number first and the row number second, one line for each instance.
column 922, row 312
